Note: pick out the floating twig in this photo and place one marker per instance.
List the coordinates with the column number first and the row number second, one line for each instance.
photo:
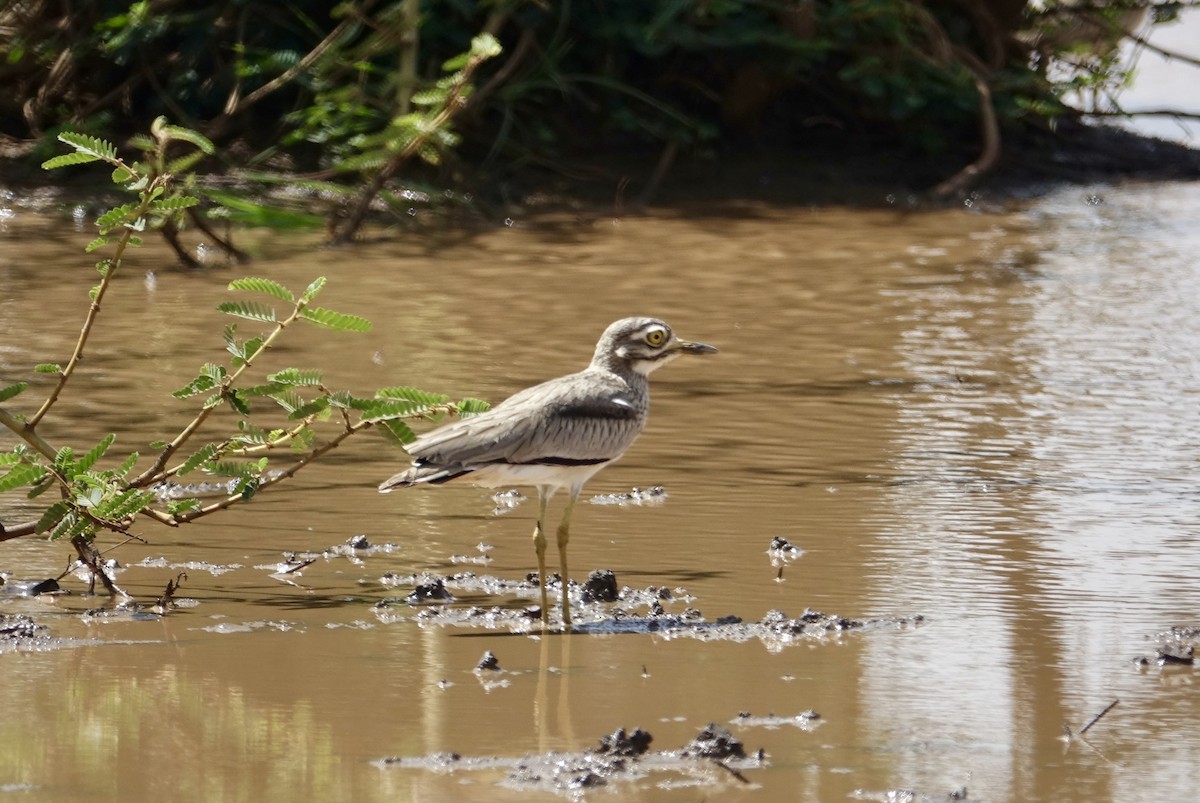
column 1096, row 718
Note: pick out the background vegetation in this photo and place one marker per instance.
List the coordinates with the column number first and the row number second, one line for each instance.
column 316, row 89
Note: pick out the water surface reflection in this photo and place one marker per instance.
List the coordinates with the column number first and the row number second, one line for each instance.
column 987, row 419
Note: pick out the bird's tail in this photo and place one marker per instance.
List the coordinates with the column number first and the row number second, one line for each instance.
column 418, row 474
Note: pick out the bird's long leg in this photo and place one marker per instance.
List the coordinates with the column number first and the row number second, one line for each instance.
column 564, row 537
column 539, row 546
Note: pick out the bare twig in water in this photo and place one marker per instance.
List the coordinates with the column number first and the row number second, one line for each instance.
column 732, row 771
column 167, row 601
column 1097, row 718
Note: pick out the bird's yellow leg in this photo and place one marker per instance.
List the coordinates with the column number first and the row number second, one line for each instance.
column 564, row 536
column 539, row 546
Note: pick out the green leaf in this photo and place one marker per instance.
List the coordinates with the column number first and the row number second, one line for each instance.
column 311, row 291
column 169, row 206
column 310, row 408
column 95, row 453
column 296, row 376
column 419, row 397
column 396, row 432
column 125, row 504
column 178, row 506
column 253, row 213
column 268, row 389
column 21, row 474
column 41, row 486
column 143, row 143
column 470, row 407
column 117, row 216
column 99, row 242
column 64, row 461
column 201, row 384
column 183, row 164
column 248, row 309
column 289, row 400
column 127, row 465
column 233, row 468
column 52, row 516
column 12, row 390
column 485, row 46
column 170, row 132
column 200, row 457
column 213, row 371
column 93, row 146
column 256, row 285
column 337, row 321
column 122, row 175
column 68, row 159
column 237, row 401
column 385, row 409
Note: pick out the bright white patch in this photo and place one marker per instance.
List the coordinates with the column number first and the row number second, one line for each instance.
column 499, row 475
column 617, row 400
column 646, row 367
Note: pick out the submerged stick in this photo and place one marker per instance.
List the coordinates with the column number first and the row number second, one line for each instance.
column 1096, row 718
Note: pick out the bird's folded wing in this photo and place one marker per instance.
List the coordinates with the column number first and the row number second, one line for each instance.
column 577, row 421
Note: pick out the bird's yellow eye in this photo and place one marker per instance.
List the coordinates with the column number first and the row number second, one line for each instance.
column 656, row 337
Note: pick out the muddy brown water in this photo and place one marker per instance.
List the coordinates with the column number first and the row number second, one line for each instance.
column 985, row 418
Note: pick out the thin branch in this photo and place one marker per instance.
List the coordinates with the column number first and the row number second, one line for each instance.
column 24, row 430
column 287, row 473
column 151, row 474
column 454, row 103
column 1143, row 113
column 94, row 309
column 1096, row 718
column 235, row 105
column 17, row 530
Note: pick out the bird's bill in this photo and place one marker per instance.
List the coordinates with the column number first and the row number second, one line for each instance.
column 688, row 347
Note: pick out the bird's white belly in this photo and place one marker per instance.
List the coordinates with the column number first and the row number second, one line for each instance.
column 502, row 475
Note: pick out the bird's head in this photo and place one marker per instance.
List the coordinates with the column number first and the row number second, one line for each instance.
column 643, row 344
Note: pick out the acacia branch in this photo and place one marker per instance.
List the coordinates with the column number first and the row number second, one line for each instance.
column 287, row 473
column 154, row 472
column 94, row 310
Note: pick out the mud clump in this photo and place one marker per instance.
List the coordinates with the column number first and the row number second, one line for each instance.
column 430, row 591
column 19, row 627
column 622, row 757
column 715, row 741
column 620, row 743
column 601, row 586
column 488, row 663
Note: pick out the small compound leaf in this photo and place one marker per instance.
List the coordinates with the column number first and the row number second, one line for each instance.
column 396, row 432
column 53, row 515
column 418, row 397
column 470, row 407
column 201, row 384
column 311, row 291
column 68, row 159
column 237, row 402
column 248, row 309
column 296, row 376
column 257, row 285
column 12, row 390
column 187, row 135
column 199, row 458
column 93, row 146
column 338, row 321
column 89, row 458
column 21, row 474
